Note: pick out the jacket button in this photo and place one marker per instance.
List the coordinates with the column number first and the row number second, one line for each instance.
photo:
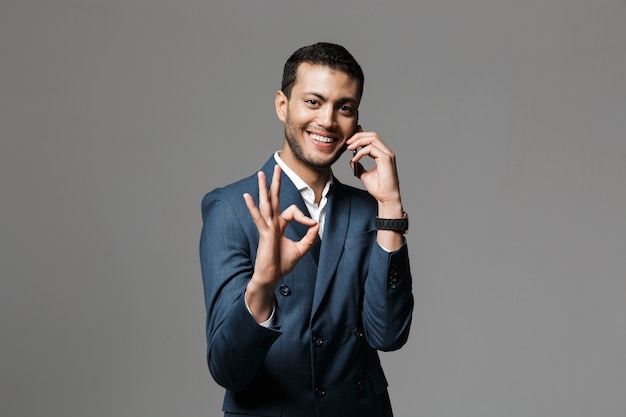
column 320, row 391
column 361, row 385
column 393, row 281
column 284, row 290
column 318, row 341
column 358, row 332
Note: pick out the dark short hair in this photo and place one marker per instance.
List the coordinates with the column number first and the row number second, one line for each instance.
column 331, row 55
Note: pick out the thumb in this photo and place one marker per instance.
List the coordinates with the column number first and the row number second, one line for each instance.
column 309, row 239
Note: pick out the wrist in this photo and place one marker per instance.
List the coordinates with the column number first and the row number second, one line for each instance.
column 390, row 210
column 260, row 300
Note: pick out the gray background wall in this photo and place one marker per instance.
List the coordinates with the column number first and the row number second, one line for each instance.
column 509, row 120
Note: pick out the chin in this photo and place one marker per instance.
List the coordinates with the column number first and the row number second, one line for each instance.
column 324, row 162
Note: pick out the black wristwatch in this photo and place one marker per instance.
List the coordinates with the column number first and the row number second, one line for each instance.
column 396, row 225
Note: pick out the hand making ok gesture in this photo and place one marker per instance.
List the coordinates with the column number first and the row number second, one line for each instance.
column 276, row 254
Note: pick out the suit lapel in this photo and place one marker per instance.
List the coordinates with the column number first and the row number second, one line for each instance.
column 335, row 231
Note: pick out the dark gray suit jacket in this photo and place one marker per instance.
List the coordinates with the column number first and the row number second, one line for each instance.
column 346, row 299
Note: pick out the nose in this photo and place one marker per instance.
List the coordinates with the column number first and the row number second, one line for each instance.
column 326, row 117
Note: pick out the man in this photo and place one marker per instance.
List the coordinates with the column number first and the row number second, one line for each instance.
column 305, row 278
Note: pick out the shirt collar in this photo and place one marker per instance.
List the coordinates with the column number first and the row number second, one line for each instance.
column 297, row 181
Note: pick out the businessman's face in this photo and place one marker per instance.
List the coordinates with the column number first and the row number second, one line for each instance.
column 319, row 117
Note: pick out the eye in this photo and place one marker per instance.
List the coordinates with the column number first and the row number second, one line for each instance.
column 346, row 109
column 312, row 102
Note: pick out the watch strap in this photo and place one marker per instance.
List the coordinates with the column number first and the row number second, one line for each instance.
column 396, row 225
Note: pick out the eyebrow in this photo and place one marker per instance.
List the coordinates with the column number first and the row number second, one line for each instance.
column 324, row 98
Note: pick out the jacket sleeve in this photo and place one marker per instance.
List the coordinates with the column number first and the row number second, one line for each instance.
column 236, row 343
column 388, row 299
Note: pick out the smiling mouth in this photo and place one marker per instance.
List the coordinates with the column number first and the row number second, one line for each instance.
column 320, row 138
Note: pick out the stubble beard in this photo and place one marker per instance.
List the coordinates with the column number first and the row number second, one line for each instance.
column 291, row 136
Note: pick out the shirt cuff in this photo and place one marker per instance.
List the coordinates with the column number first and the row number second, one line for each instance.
column 387, row 250
column 267, row 323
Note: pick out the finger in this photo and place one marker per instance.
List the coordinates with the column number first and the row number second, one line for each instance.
column 309, row 239
column 380, row 147
column 275, row 190
column 368, row 151
column 379, row 154
column 264, row 203
column 257, row 218
column 292, row 213
column 366, row 139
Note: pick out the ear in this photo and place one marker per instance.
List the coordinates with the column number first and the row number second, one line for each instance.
column 281, row 102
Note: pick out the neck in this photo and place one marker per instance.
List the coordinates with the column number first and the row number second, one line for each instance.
column 315, row 178
column 317, row 185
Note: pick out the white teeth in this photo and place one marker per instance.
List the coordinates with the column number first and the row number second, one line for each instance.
column 321, row 138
